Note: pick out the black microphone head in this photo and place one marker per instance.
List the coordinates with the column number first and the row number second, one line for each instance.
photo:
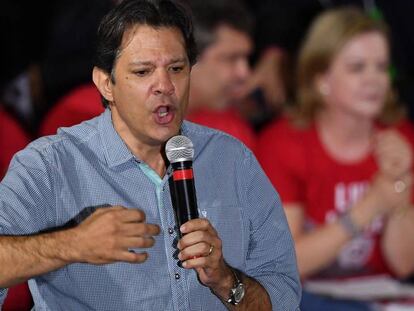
column 179, row 149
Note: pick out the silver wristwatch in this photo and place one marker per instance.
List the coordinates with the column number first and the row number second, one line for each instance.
column 237, row 292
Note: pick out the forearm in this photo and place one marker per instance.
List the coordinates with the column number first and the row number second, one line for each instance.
column 398, row 241
column 23, row 257
column 320, row 247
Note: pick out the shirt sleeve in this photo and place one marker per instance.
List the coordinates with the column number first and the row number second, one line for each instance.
column 27, row 199
column 27, row 194
column 3, row 294
column 271, row 255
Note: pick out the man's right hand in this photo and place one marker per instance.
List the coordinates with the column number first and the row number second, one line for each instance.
column 108, row 234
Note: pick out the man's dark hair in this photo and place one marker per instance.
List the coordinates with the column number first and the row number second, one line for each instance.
column 209, row 15
column 154, row 13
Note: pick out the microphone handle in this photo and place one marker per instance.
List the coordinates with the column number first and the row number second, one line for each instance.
column 183, row 193
column 186, row 200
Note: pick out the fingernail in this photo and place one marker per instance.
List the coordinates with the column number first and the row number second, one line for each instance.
column 183, row 228
column 184, row 264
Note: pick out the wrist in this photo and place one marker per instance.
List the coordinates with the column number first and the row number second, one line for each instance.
column 351, row 228
column 234, row 293
column 238, row 291
column 223, row 287
column 372, row 205
column 355, row 220
column 69, row 242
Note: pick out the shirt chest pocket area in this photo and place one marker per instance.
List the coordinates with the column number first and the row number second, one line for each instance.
column 227, row 220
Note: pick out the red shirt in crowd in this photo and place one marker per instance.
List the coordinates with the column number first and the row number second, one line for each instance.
column 12, row 139
column 228, row 121
column 82, row 104
column 302, row 171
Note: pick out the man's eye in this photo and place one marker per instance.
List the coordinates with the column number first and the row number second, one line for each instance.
column 142, row 72
column 177, row 68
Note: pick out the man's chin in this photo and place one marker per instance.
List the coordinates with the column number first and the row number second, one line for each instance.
column 237, row 93
column 166, row 133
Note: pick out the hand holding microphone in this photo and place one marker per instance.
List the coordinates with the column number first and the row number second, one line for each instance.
column 200, row 246
column 180, row 152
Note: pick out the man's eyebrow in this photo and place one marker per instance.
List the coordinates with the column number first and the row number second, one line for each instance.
column 150, row 63
column 141, row 63
column 178, row 60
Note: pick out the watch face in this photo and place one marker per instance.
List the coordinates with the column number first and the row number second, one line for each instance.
column 239, row 293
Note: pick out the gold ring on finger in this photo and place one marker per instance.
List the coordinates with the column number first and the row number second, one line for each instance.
column 210, row 250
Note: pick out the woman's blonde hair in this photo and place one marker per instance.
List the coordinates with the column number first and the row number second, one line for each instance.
column 326, row 37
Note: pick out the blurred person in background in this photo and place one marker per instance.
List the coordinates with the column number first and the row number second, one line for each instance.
column 12, row 139
column 69, row 94
column 342, row 160
column 279, row 30
column 67, row 61
column 80, row 104
column 49, row 52
column 222, row 31
column 23, row 31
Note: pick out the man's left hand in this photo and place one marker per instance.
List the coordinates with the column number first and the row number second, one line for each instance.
column 201, row 249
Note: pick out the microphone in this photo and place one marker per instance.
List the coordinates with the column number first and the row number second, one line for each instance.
column 180, row 152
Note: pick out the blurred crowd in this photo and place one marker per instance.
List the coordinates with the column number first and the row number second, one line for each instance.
column 321, row 91
column 49, row 53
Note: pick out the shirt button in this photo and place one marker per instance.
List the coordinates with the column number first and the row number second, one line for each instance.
column 170, row 230
column 177, row 276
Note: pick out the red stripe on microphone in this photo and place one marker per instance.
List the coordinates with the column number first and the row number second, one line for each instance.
column 183, row 174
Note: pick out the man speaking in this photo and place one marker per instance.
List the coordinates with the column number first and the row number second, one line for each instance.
column 86, row 215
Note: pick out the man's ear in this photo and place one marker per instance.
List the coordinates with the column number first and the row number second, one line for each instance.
column 103, row 82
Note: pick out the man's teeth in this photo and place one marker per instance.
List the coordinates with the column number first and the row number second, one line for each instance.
column 162, row 113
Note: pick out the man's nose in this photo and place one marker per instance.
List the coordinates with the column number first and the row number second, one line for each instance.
column 243, row 69
column 163, row 84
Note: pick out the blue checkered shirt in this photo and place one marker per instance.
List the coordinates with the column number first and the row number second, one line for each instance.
column 57, row 178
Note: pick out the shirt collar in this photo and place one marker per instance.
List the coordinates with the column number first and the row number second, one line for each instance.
column 116, row 151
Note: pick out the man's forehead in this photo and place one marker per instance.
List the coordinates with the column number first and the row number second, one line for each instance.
column 149, row 41
column 229, row 40
column 145, row 30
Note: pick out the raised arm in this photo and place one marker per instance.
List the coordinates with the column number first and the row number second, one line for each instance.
column 395, row 159
column 104, row 237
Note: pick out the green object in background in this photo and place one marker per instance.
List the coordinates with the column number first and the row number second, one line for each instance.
column 392, row 71
column 376, row 13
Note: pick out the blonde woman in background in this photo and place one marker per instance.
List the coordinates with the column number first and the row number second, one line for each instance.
column 342, row 162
